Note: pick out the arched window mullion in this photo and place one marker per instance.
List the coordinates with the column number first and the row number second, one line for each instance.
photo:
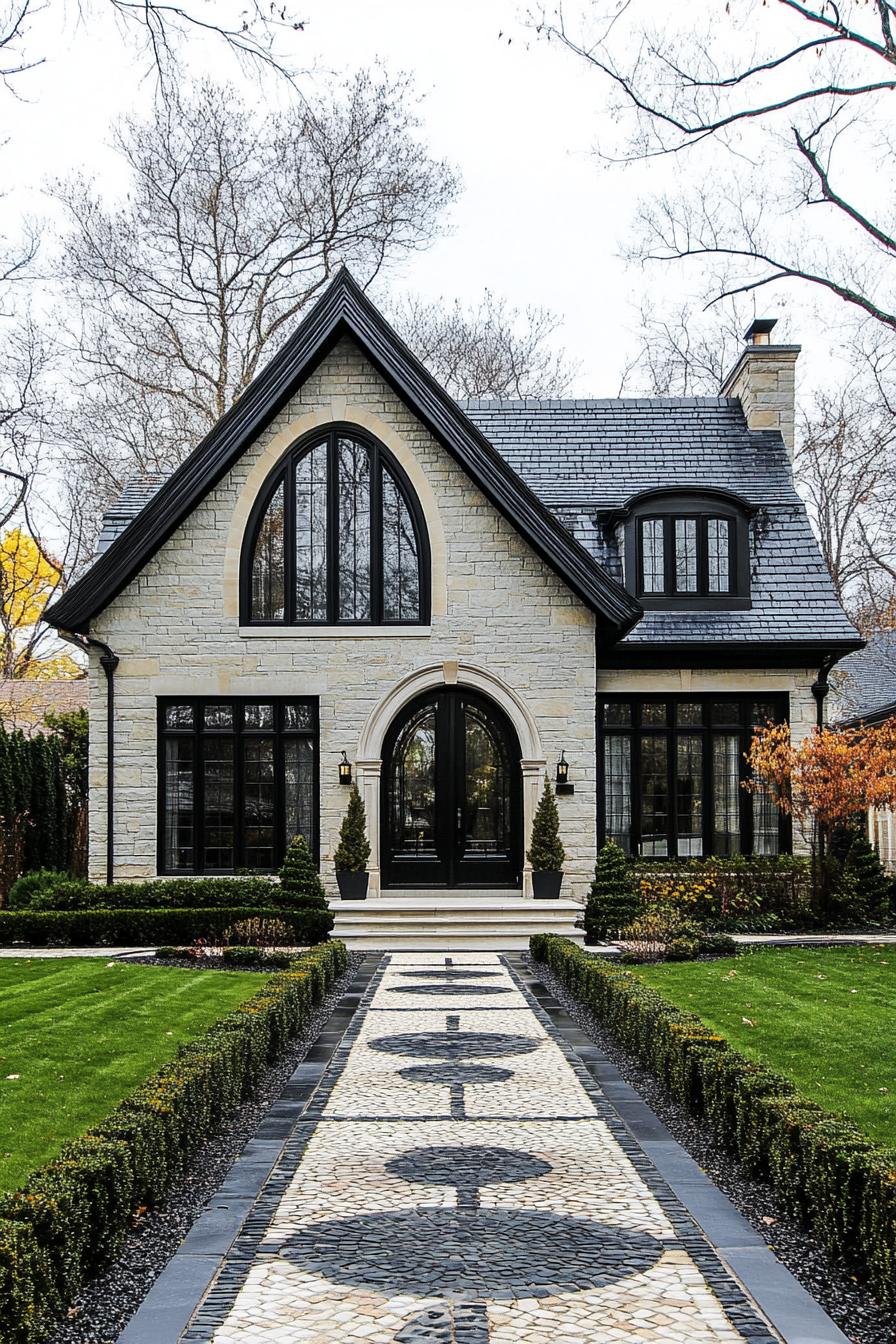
column 376, row 536
column 289, row 540
column 333, row 528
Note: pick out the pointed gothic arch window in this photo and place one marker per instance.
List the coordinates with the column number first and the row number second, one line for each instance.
column 336, row 538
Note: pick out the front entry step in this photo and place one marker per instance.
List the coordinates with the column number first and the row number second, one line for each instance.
column 439, row 920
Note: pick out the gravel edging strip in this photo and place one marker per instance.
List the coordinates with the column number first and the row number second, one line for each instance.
column 849, row 1305
column 102, row 1310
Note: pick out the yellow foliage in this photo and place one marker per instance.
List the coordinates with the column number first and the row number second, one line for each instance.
column 27, row 579
column 55, row 667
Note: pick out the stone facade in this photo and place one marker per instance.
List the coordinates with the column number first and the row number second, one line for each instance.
column 501, row 621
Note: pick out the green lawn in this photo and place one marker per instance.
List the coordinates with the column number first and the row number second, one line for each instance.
column 826, row 1018
column 77, row 1034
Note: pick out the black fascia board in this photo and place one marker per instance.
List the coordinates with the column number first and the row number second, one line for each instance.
column 343, row 310
column 726, row 653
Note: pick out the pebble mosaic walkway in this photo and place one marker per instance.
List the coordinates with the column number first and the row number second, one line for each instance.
column 459, row 1178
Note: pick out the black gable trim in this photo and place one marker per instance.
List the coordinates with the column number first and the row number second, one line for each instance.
column 344, row 310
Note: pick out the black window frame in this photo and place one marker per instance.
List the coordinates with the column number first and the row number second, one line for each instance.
column 668, row 509
column 671, row 730
column 239, row 733
column 284, row 474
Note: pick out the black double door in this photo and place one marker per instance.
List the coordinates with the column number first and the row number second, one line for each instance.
column 451, row 807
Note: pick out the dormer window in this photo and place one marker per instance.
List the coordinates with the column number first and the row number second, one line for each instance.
column 684, row 549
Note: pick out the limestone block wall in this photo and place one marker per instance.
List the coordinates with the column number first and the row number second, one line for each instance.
column 499, row 616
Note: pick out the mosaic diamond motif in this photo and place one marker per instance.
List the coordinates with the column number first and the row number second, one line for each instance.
column 460, row 1185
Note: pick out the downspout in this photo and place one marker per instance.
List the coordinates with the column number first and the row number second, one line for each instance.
column 820, row 689
column 108, row 662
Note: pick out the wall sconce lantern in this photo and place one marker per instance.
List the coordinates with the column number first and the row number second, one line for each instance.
column 563, row 784
column 345, row 770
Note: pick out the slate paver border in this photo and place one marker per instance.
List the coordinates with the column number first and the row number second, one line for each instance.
column 238, row 1205
column 736, row 1247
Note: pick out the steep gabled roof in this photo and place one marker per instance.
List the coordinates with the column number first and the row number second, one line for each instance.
column 865, row 682
column 343, row 310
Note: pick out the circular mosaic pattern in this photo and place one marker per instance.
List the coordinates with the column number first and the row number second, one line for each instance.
column 478, row 990
column 454, row 1044
column 494, row 1254
column 450, row 974
column 454, row 1075
column 473, row 1166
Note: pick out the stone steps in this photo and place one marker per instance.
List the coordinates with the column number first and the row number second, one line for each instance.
column 434, row 921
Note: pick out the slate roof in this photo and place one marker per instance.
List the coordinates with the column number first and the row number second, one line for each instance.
column 865, row 682
column 138, row 491
column 585, row 457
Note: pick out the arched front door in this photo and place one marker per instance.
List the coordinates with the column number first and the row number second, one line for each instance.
column 451, row 807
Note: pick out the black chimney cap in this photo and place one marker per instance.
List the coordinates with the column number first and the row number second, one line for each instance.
column 760, row 326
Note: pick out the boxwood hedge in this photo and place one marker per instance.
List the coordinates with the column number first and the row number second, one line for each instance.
column 827, row 1173
column 134, row 928
column 73, row 1214
column 59, row 891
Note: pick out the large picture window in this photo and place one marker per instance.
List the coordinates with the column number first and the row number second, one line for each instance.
column 237, row 780
column 336, row 539
column 672, row 775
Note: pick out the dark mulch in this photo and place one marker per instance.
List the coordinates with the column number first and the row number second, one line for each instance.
column 101, row 1312
column 848, row 1304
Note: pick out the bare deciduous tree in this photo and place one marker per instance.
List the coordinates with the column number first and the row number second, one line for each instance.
column 845, row 464
column 234, row 222
column 250, row 29
column 685, row 353
column 792, row 95
column 489, row 350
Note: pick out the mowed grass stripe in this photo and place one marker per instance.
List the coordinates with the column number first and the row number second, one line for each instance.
column 81, row 1033
column 823, row 1017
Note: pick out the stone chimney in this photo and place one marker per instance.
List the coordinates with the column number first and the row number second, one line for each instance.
column 764, row 380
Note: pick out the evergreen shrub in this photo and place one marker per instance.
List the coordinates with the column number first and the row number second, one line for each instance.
column 613, row 901
column 353, row 849
column 299, row 879
column 129, row 928
column 546, row 853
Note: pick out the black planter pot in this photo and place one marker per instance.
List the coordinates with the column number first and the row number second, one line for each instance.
column 353, row 886
column 546, row 886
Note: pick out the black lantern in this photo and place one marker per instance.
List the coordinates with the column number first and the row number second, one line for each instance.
column 563, row 784
column 345, row 770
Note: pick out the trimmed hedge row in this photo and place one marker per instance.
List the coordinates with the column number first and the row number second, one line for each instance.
column 58, row 891
column 124, row 928
column 827, row 1173
column 72, row 1216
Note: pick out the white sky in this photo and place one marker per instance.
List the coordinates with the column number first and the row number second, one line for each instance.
column 540, row 220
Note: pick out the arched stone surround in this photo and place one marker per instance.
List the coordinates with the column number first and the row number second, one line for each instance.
column 369, row 759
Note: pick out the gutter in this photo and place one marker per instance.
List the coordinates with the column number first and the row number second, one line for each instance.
column 108, row 662
column 822, row 686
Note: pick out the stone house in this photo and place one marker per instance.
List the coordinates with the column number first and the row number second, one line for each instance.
column 451, row 598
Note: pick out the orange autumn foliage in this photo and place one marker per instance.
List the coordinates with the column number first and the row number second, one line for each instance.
column 831, row 776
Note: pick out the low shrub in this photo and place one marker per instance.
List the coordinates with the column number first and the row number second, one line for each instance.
column 128, row 928
column 169, row 893
column 829, row 1175
column 30, row 885
column 72, row 1215
column 663, row 933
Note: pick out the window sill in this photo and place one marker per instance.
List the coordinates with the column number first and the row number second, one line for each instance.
column 335, row 631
